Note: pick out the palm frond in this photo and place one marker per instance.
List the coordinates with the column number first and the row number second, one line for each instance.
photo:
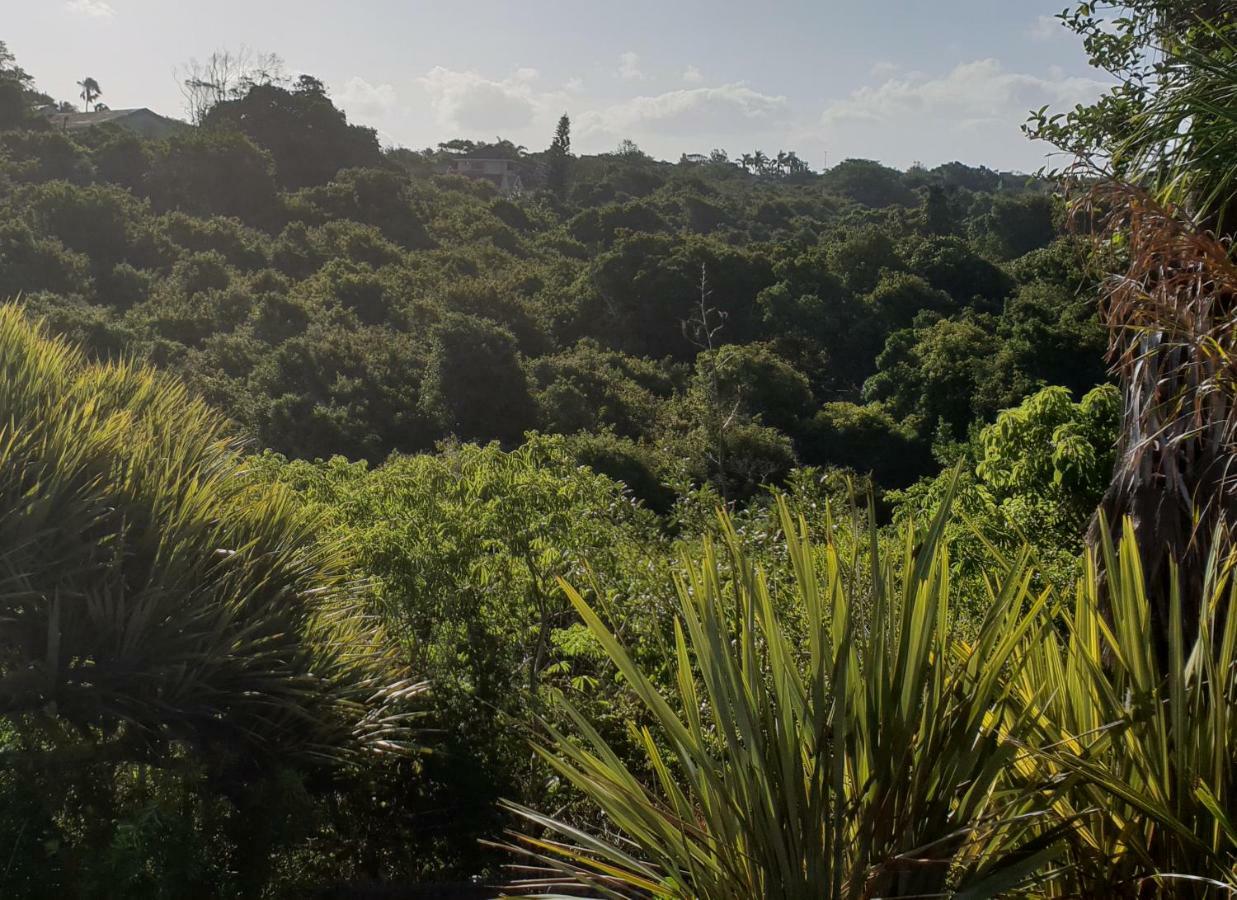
column 151, row 591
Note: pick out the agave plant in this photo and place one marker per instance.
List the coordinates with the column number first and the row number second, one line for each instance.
column 865, row 763
column 152, row 592
column 1142, row 750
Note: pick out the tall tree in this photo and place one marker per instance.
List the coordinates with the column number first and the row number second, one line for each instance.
column 9, row 69
column 226, row 75
column 15, row 89
column 308, row 137
column 1156, row 154
column 90, row 91
column 560, row 156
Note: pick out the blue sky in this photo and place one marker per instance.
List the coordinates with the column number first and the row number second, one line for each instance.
column 896, row 80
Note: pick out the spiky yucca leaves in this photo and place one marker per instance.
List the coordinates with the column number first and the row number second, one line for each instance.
column 1143, row 750
column 865, row 763
column 1173, row 345
column 151, row 591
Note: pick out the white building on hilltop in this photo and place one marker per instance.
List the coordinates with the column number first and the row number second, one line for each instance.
column 499, row 172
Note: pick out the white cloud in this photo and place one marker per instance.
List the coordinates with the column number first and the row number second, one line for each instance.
column 884, row 70
column 574, row 85
column 94, row 9
column 976, row 91
column 473, row 103
column 973, row 113
column 527, row 73
column 688, row 112
column 692, row 75
column 1047, row 28
column 629, row 67
column 360, row 98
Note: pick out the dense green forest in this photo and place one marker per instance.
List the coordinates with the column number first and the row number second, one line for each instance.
column 710, row 529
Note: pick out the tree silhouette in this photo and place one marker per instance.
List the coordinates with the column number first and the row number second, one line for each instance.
column 90, row 91
column 560, row 156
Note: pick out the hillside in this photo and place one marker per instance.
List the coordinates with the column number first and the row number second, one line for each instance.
column 336, row 298
column 480, row 520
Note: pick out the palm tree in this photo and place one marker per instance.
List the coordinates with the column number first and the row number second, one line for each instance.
column 1170, row 312
column 760, row 162
column 90, row 91
column 746, row 161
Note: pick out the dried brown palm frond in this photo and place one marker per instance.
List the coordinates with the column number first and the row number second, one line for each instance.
column 1172, row 344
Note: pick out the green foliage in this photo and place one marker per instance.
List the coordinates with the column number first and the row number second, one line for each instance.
column 37, row 156
column 308, row 139
column 368, row 305
column 866, row 439
column 342, row 303
column 941, row 371
column 1034, row 477
column 587, row 387
column 869, row 183
column 792, row 758
column 950, row 265
column 1141, row 747
column 33, row 263
column 756, row 383
column 1018, row 225
column 475, row 384
column 559, row 157
column 152, row 584
column 799, row 767
column 464, row 549
column 1150, row 48
column 181, row 651
column 220, row 173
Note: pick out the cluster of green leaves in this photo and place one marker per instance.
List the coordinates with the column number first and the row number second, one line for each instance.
column 834, row 736
column 629, row 344
column 1033, row 478
column 463, row 550
column 176, row 640
column 334, row 298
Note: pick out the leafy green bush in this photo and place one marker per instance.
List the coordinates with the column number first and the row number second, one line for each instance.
column 151, row 583
column 864, row 761
column 1140, row 750
column 181, row 652
column 830, row 734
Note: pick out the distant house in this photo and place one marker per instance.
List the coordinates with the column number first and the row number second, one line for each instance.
column 142, row 122
column 499, row 172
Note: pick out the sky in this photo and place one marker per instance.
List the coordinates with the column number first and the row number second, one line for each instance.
column 900, row 81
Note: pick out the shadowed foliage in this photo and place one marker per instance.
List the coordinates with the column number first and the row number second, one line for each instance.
column 152, row 592
column 835, row 741
column 1140, row 748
